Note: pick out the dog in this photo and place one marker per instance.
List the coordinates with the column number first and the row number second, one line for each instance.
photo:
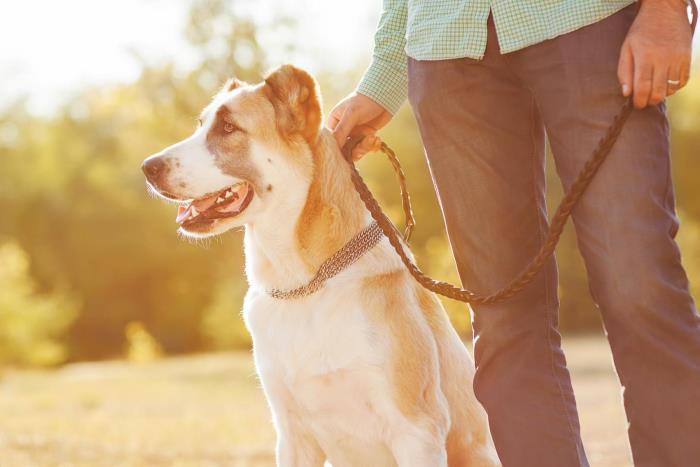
column 365, row 371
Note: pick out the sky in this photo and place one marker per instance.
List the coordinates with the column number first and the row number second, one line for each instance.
column 49, row 48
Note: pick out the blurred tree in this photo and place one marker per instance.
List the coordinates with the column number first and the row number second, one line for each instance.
column 689, row 241
column 222, row 326
column 73, row 196
column 32, row 325
column 141, row 347
column 226, row 42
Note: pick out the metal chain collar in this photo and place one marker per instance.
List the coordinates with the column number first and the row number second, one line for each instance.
column 358, row 245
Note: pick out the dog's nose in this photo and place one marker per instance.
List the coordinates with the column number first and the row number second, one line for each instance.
column 153, row 168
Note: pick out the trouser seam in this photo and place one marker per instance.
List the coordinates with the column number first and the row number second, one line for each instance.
column 547, row 285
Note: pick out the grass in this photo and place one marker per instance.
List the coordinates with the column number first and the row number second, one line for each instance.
column 208, row 410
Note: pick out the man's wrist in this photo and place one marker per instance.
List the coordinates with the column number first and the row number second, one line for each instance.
column 672, row 4
column 385, row 84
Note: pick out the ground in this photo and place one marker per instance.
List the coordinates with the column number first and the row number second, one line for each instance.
column 209, row 411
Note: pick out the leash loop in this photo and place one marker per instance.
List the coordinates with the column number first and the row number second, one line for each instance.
column 410, row 220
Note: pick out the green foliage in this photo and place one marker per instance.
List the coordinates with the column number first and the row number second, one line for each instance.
column 222, row 326
column 32, row 325
column 141, row 345
column 73, row 195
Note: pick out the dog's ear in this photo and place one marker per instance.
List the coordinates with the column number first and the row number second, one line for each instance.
column 232, row 84
column 297, row 102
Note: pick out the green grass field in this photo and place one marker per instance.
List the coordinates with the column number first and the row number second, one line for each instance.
column 208, row 410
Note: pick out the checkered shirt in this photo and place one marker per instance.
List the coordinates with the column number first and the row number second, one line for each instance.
column 444, row 29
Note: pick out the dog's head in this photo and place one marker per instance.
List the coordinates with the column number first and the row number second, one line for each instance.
column 249, row 155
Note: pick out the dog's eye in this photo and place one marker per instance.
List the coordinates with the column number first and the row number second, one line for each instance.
column 229, row 127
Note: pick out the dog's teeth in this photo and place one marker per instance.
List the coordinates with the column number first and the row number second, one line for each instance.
column 219, row 199
column 194, row 212
column 228, row 194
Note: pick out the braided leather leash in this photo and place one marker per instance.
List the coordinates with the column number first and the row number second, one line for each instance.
column 562, row 214
column 555, row 229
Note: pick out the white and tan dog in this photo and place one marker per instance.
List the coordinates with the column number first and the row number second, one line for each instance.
column 368, row 370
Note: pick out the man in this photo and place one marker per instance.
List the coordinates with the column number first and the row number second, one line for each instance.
column 485, row 79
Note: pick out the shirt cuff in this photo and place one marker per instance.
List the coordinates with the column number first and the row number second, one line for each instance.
column 385, row 83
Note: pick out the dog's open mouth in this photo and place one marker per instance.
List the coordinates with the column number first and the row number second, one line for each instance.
column 226, row 203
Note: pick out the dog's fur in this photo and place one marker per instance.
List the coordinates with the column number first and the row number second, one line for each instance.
column 368, row 371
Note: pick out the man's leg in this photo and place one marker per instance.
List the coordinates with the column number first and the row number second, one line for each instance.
column 626, row 226
column 485, row 146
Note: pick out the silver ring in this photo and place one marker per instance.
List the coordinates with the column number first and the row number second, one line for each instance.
column 673, row 82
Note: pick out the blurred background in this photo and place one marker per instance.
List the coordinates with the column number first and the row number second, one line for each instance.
column 96, row 288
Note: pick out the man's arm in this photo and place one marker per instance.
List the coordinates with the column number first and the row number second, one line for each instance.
column 383, row 87
column 386, row 79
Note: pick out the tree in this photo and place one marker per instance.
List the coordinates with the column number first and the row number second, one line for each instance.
column 32, row 325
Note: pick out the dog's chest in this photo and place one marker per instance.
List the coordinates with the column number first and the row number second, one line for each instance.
column 314, row 337
column 324, row 361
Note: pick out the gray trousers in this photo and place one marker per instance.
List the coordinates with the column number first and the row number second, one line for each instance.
column 483, row 126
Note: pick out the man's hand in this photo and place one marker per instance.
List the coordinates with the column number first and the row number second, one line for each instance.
column 655, row 57
column 357, row 114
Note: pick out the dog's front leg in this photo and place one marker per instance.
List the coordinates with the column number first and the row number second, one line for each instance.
column 297, row 449
column 296, row 446
column 414, row 447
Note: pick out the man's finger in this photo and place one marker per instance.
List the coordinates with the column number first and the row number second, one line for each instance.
column 643, row 73
column 344, row 127
column 625, row 69
column 360, row 150
column 659, row 84
column 369, row 143
column 333, row 120
column 364, row 146
column 685, row 72
column 336, row 114
column 674, row 75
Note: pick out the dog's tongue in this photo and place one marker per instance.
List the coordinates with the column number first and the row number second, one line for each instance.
column 182, row 213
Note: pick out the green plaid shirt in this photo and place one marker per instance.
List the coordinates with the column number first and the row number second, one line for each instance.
column 442, row 29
